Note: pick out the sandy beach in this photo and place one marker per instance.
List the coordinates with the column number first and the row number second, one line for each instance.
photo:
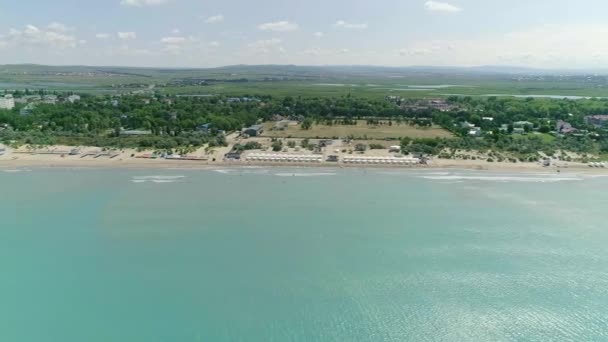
column 130, row 158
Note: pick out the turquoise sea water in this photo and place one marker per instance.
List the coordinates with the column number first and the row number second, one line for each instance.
column 302, row 255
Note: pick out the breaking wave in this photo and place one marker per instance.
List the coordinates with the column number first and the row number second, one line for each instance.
column 157, row 179
column 317, row 174
column 500, row 178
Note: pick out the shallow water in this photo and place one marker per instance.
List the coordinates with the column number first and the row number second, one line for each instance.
column 302, row 255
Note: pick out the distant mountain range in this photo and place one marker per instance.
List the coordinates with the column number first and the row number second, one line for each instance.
column 298, row 70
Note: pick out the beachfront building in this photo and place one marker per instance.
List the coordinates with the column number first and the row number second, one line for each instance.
column 363, row 160
column 254, row 131
column 475, row 132
column 441, row 105
column 467, row 125
column 564, row 127
column 7, row 102
column 73, row 98
column 284, row 158
column 598, row 121
column 49, row 99
column 205, row 129
column 27, row 110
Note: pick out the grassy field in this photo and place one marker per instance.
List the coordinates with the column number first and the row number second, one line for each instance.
column 547, row 138
column 359, row 131
column 282, row 81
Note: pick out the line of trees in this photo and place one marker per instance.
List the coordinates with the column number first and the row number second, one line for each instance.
column 174, row 120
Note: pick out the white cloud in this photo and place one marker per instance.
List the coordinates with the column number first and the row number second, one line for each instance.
column 214, row 44
column 319, row 34
column 215, row 19
column 175, row 31
column 279, row 26
column 127, row 35
column 416, row 51
column 33, row 36
column 31, row 30
column 102, row 36
column 58, row 27
column 142, row 3
column 437, row 6
column 174, row 40
column 350, row 26
column 566, row 46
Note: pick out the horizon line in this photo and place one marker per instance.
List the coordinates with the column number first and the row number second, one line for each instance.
column 497, row 66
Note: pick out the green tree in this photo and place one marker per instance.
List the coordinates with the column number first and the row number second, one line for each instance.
column 277, row 145
column 307, row 124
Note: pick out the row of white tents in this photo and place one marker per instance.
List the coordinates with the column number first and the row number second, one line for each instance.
column 381, row 160
column 597, row 165
column 293, row 158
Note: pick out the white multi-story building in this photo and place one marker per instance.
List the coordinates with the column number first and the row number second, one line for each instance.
column 7, row 102
column 73, row 98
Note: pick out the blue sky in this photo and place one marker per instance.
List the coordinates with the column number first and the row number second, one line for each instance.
column 204, row 33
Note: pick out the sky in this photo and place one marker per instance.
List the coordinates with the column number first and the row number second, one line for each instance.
column 208, row 33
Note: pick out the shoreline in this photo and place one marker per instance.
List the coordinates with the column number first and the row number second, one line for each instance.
column 58, row 156
column 37, row 161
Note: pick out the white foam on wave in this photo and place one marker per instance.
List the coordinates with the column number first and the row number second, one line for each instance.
column 596, row 176
column 224, row 172
column 311, row 174
column 158, row 177
column 243, row 171
column 501, row 178
column 256, row 171
column 15, row 170
column 157, row 181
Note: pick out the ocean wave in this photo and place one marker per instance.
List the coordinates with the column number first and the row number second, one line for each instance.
column 224, row 172
column 504, row 178
column 157, row 181
column 312, row 174
column 256, row 172
column 16, row 170
column 158, row 177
